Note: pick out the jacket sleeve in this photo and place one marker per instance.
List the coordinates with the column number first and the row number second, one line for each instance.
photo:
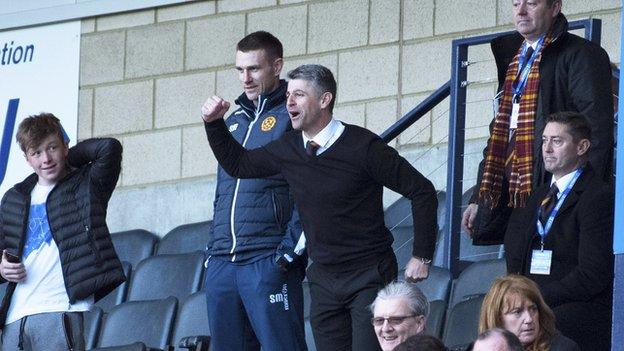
column 235, row 159
column 104, row 156
column 594, row 271
column 518, row 236
column 589, row 82
column 393, row 171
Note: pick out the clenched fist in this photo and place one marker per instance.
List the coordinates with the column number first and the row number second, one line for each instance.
column 214, row 108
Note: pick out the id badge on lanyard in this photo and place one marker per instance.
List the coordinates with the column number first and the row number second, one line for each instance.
column 541, row 260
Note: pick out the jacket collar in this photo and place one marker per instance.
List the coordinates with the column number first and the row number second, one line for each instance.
column 578, row 188
column 27, row 185
column 265, row 102
column 505, row 47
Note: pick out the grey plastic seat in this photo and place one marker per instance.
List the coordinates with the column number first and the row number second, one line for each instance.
column 134, row 245
column 435, row 320
column 476, row 279
column 308, row 335
column 437, row 286
column 462, row 323
column 137, row 346
column 118, row 295
column 160, row 276
column 185, row 238
column 192, row 319
column 92, row 324
column 306, row 298
column 149, row 322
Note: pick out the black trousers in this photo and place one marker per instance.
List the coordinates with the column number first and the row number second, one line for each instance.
column 588, row 324
column 339, row 309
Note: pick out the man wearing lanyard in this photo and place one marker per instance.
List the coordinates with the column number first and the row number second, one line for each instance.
column 567, row 250
column 542, row 69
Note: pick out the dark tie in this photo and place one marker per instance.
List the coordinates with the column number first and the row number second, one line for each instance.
column 311, row 148
column 548, row 203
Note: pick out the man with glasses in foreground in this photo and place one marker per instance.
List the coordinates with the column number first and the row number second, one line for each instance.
column 399, row 311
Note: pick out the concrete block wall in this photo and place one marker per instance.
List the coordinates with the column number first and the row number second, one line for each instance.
column 145, row 74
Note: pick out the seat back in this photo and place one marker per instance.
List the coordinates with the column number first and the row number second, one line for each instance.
column 92, row 324
column 161, row 276
column 462, row 322
column 192, row 319
column 134, row 245
column 476, row 279
column 185, row 238
column 137, row 346
column 438, row 285
column 118, row 295
column 435, row 320
column 308, row 336
column 150, row 322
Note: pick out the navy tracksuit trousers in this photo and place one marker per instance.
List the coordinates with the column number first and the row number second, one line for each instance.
column 256, row 298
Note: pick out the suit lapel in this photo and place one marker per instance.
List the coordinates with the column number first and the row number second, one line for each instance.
column 576, row 192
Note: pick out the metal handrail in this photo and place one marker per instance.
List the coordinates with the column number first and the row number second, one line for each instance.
column 417, row 112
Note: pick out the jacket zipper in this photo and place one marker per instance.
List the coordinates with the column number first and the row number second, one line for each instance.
column 234, row 198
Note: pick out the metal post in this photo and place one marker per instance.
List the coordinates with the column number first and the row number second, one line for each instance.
column 455, row 171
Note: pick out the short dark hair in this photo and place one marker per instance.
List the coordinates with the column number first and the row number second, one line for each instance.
column 262, row 40
column 421, row 342
column 321, row 78
column 34, row 129
column 511, row 339
column 577, row 124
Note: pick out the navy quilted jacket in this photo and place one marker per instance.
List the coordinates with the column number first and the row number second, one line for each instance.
column 255, row 218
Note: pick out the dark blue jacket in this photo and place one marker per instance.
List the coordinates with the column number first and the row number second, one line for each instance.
column 255, row 218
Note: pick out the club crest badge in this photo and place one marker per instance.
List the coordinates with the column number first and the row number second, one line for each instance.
column 233, row 127
column 268, row 123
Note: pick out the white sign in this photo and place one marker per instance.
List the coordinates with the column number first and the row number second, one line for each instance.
column 39, row 70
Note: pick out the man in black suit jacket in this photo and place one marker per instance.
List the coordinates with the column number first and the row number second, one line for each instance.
column 566, row 244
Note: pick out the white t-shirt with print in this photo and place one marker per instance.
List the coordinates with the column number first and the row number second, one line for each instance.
column 43, row 290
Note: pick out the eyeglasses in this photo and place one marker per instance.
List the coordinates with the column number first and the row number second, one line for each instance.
column 393, row 321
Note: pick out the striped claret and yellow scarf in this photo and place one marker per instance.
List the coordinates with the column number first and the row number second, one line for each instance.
column 520, row 182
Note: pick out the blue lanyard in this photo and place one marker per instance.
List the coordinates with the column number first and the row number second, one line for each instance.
column 543, row 230
column 520, row 83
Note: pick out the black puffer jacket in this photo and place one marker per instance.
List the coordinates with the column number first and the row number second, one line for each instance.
column 77, row 216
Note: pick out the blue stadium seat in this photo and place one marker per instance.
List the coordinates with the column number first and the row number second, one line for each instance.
column 476, row 279
column 308, row 335
column 437, row 286
column 134, row 245
column 185, row 238
column 192, row 320
column 148, row 322
column 462, row 322
column 161, row 276
column 118, row 295
column 435, row 320
column 92, row 324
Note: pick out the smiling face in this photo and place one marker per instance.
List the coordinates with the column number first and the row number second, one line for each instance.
column 257, row 73
column 307, row 107
column 48, row 159
column 400, row 322
column 562, row 155
column 533, row 18
column 521, row 318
